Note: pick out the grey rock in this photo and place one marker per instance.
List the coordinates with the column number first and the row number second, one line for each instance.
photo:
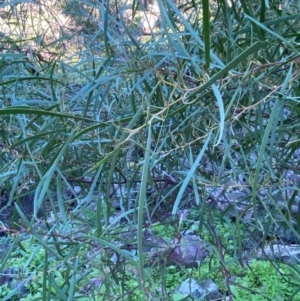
column 204, row 290
column 191, row 287
column 211, row 290
column 96, row 282
column 188, row 252
column 289, row 254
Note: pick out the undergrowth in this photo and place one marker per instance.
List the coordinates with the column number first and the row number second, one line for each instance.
column 105, row 133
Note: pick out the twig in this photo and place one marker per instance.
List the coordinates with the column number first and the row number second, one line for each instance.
column 225, row 271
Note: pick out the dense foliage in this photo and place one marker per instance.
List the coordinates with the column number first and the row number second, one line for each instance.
column 196, row 111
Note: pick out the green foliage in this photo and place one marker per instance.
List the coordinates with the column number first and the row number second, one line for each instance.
column 263, row 281
column 4, row 290
column 164, row 230
column 92, row 113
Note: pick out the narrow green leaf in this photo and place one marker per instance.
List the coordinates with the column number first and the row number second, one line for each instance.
column 43, row 186
column 221, row 110
column 265, row 139
column 193, row 33
column 142, row 200
column 227, row 68
column 189, row 176
column 115, row 152
column 249, row 11
column 206, row 31
column 25, row 110
column 278, row 36
column 45, row 276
